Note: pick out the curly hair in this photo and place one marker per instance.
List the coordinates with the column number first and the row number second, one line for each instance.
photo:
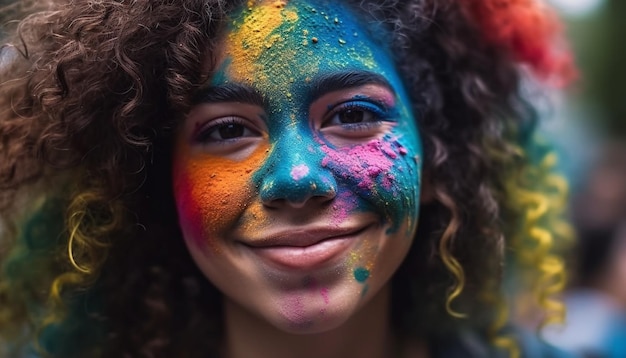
column 90, row 95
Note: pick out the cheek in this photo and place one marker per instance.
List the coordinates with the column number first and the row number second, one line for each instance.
column 212, row 193
column 383, row 173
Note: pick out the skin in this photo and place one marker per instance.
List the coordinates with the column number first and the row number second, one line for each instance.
column 297, row 180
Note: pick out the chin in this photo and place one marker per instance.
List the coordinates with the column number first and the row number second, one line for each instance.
column 312, row 319
column 309, row 312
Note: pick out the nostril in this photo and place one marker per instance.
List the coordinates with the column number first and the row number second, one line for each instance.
column 292, row 176
column 297, row 186
column 295, row 204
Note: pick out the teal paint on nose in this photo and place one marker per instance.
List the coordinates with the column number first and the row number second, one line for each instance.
column 293, row 170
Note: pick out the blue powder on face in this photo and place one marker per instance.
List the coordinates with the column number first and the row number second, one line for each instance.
column 286, row 61
column 361, row 274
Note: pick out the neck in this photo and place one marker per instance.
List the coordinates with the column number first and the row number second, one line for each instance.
column 367, row 334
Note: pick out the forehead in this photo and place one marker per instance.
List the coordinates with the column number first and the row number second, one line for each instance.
column 270, row 44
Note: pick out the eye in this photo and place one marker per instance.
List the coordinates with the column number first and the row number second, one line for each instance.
column 226, row 129
column 353, row 115
column 356, row 115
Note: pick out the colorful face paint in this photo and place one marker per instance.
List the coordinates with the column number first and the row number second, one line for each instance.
column 300, row 163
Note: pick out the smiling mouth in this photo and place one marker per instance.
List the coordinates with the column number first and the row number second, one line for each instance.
column 305, row 250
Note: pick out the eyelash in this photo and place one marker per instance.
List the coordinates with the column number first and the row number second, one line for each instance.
column 374, row 113
column 378, row 110
column 204, row 134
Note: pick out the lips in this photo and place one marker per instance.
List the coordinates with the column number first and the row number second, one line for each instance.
column 304, row 249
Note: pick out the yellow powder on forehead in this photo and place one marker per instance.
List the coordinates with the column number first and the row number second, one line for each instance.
column 291, row 16
column 272, row 42
column 255, row 34
column 276, row 3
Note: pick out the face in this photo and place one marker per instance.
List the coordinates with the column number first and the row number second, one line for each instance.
column 296, row 175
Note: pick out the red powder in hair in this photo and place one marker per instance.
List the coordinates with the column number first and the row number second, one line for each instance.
column 529, row 30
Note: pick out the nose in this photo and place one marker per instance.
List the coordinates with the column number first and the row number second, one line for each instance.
column 293, row 175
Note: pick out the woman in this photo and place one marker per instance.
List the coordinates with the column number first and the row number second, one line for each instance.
column 229, row 179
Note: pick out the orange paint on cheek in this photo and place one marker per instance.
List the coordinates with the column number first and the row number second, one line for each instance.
column 212, row 192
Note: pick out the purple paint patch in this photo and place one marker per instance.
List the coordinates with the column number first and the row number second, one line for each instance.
column 363, row 163
column 388, row 181
column 293, row 310
column 299, row 171
column 345, row 203
column 324, row 293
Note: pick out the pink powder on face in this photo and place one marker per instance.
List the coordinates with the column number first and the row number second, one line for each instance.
column 364, row 162
column 293, row 310
column 299, row 171
column 345, row 203
column 188, row 209
column 324, row 293
column 388, row 181
column 311, row 283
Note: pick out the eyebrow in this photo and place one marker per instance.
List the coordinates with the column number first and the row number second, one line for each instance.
column 230, row 92
column 341, row 80
column 238, row 92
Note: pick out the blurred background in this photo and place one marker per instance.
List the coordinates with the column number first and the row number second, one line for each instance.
column 587, row 123
column 596, row 29
column 592, row 111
